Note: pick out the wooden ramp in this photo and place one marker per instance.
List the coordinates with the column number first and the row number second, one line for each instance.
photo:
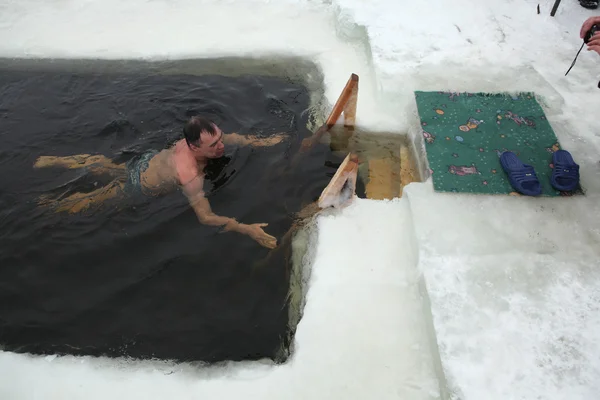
column 342, row 186
column 388, row 176
column 388, row 171
column 346, row 105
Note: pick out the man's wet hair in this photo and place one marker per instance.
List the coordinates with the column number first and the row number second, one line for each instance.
column 195, row 126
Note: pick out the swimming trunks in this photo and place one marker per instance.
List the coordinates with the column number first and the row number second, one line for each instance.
column 135, row 167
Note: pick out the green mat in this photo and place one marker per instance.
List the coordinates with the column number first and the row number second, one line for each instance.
column 465, row 133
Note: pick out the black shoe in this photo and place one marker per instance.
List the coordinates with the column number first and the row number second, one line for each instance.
column 590, row 4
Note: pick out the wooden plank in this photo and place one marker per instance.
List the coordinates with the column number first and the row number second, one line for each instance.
column 384, row 181
column 349, row 94
column 346, row 174
column 350, row 89
column 350, row 108
column 408, row 172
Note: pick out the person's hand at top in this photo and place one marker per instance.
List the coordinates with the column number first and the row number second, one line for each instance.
column 594, row 42
column 587, row 25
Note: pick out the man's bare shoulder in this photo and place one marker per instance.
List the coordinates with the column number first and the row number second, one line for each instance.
column 185, row 164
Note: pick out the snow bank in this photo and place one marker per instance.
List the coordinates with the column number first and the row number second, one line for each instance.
column 515, row 291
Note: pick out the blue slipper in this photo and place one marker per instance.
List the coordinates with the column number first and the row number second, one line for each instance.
column 521, row 176
column 565, row 175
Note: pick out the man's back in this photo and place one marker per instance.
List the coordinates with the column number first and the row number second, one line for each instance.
column 169, row 168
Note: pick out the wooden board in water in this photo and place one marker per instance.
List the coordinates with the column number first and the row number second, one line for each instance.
column 347, row 170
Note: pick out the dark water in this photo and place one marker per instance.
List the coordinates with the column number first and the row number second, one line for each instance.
column 141, row 277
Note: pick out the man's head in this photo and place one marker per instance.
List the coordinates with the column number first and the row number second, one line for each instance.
column 204, row 137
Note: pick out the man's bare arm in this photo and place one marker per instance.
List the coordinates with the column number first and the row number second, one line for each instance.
column 194, row 192
column 251, row 140
column 196, row 197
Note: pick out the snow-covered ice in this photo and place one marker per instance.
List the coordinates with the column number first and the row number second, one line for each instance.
column 429, row 296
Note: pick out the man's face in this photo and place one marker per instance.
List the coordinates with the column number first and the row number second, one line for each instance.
column 212, row 146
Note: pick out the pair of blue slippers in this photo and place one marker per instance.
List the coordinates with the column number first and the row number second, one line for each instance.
column 522, row 177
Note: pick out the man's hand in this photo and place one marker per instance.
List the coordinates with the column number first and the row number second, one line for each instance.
column 307, row 144
column 256, row 232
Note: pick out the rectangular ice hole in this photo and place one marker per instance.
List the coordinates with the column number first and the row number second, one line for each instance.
column 125, row 290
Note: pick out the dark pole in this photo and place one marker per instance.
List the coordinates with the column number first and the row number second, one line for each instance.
column 554, row 8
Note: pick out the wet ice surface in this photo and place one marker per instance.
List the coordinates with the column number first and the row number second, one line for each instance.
column 513, row 282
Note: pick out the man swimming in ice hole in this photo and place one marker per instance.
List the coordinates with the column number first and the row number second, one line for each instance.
column 159, row 172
